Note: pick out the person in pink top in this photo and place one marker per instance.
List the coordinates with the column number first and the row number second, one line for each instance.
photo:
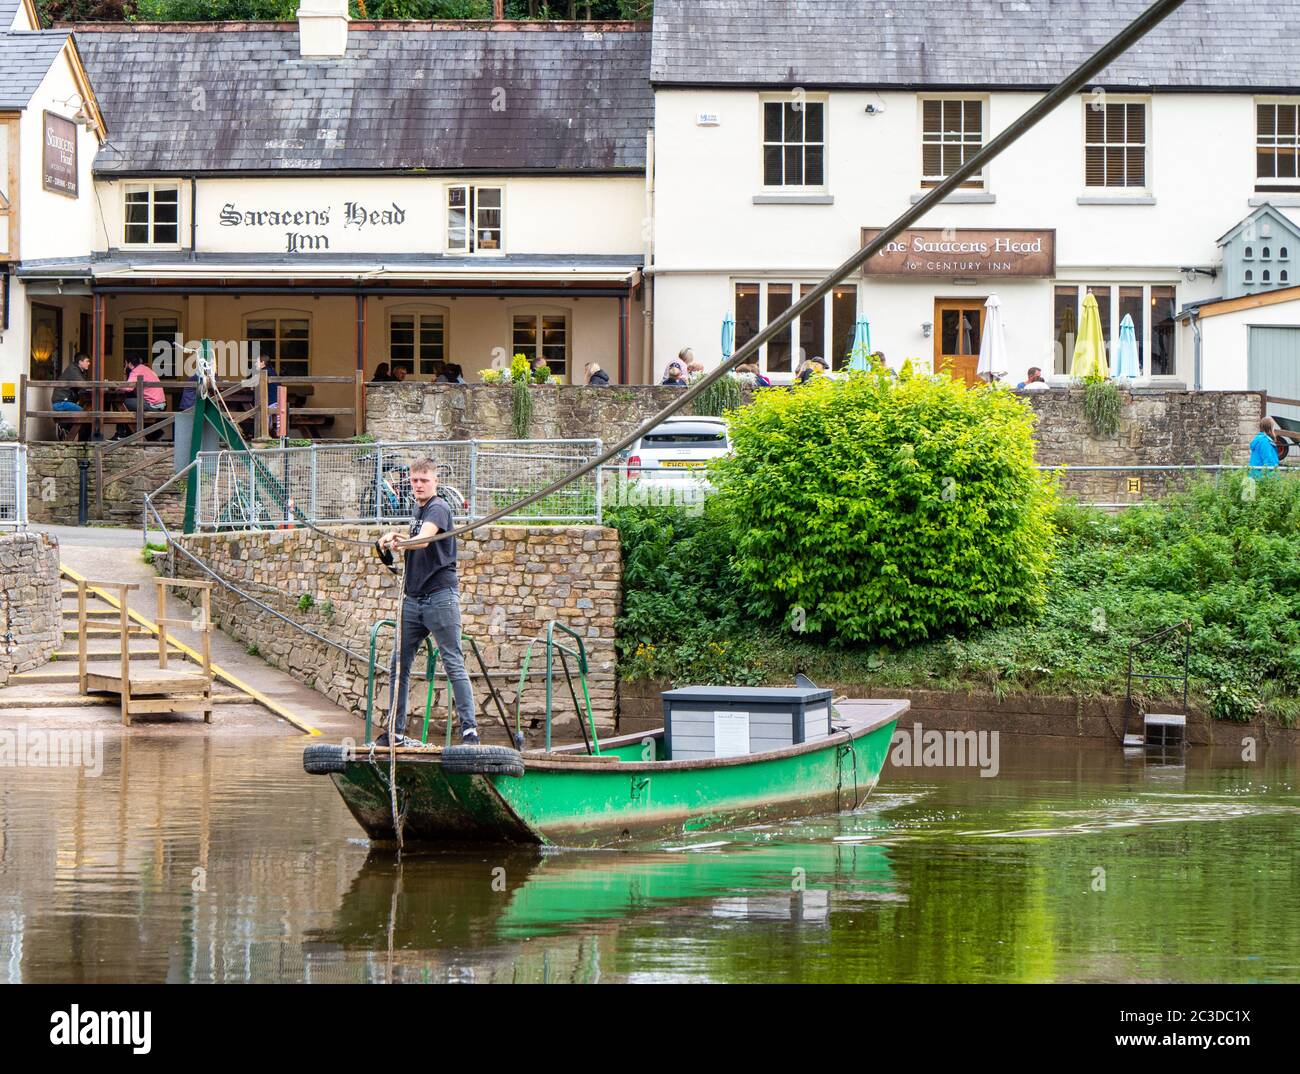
column 154, row 397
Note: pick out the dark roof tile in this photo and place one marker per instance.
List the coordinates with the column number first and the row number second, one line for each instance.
column 25, row 59
column 1205, row 44
column 397, row 100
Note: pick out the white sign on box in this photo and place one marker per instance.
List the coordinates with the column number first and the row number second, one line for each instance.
column 730, row 734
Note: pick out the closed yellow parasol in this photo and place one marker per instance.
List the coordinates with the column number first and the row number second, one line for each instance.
column 1089, row 349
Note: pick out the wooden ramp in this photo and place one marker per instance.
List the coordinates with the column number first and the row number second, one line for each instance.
column 149, row 689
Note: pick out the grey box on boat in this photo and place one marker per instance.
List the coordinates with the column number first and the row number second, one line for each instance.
column 728, row 721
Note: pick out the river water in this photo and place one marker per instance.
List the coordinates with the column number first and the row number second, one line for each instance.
column 218, row 859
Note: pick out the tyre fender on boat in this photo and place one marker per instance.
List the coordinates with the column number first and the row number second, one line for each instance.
column 322, row 758
column 482, row 761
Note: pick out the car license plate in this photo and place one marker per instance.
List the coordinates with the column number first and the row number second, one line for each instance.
column 682, row 463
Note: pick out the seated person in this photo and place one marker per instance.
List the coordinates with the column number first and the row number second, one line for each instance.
column 382, row 375
column 155, row 398
column 674, row 376
column 73, row 399
column 1033, row 381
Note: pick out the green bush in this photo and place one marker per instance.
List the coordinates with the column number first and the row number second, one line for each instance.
column 1101, row 407
column 682, row 600
column 878, row 508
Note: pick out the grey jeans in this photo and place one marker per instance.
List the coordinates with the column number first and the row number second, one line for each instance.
column 438, row 614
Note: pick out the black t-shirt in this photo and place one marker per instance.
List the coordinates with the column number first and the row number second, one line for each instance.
column 434, row 567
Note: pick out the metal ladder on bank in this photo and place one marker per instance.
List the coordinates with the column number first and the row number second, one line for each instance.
column 1160, row 730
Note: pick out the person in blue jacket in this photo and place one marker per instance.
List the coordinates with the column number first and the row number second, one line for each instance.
column 1263, row 450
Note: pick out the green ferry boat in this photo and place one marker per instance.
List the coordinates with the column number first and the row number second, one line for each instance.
column 606, row 792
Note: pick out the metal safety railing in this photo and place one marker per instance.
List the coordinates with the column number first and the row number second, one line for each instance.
column 338, row 484
column 13, row 485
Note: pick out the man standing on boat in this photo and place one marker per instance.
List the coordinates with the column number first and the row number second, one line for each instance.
column 431, row 600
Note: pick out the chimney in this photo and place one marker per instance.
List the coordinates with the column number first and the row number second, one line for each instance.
column 323, row 28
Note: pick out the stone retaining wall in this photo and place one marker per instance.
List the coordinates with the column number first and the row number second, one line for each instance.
column 1099, row 720
column 53, row 483
column 422, row 411
column 31, row 608
column 513, row 580
column 1155, row 428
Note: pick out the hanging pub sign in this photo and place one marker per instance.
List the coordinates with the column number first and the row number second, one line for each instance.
column 60, row 155
column 985, row 253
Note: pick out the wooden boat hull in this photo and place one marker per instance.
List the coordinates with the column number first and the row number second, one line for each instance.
column 566, row 798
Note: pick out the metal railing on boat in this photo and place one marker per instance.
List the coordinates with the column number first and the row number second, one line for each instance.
column 552, row 646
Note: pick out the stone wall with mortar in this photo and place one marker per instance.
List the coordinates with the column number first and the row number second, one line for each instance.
column 422, row 411
column 513, row 580
column 53, row 483
column 31, row 607
column 1155, row 428
column 1096, row 720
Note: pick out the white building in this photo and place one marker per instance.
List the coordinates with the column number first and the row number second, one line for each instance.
column 344, row 194
column 783, row 131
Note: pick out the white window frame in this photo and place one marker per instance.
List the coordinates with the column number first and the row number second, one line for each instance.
column 419, row 312
column 538, row 312
column 152, row 225
column 978, row 181
column 764, row 99
column 278, row 315
column 828, row 322
column 470, row 247
column 150, row 314
column 1148, row 157
column 1265, row 184
column 1111, row 332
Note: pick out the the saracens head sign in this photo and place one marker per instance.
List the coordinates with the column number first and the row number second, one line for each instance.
column 980, row 252
column 319, row 216
column 59, row 137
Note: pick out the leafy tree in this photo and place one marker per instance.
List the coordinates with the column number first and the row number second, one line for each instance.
column 880, row 509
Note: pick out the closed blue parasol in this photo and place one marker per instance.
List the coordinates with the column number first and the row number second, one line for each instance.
column 859, row 356
column 728, row 336
column 1126, row 358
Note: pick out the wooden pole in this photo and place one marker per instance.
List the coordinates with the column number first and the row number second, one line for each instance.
column 125, row 627
column 161, row 586
column 97, row 365
column 81, row 637
column 359, row 396
column 207, row 650
column 261, row 426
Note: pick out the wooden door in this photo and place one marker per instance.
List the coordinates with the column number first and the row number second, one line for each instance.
column 958, row 325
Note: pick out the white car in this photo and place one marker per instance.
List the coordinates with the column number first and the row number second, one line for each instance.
column 673, row 455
